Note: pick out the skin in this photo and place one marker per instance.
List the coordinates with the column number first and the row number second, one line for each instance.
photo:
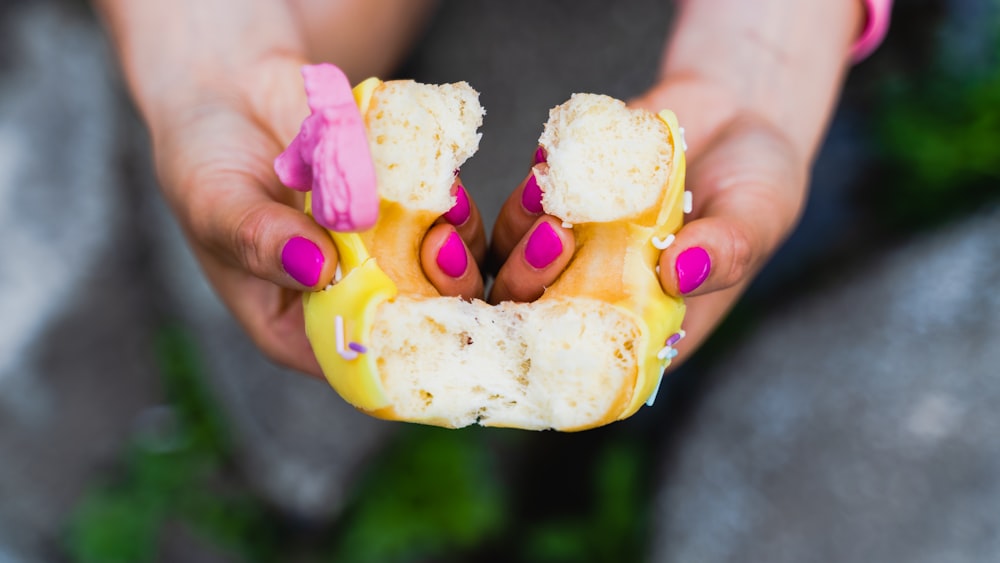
column 218, row 85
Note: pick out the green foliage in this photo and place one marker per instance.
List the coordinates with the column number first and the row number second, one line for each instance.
column 613, row 530
column 434, row 493
column 171, row 473
column 939, row 134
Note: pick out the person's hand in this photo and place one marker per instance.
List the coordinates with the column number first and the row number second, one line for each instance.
column 748, row 183
column 214, row 157
column 753, row 84
column 218, row 83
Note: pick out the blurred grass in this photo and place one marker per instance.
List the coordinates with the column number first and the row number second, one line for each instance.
column 433, row 495
column 937, row 124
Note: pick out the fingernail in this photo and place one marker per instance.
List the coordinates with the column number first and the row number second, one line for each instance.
column 693, row 266
column 539, row 155
column 459, row 213
column 452, row 258
column 531, row 197
column 302, row 260
column 543, row 246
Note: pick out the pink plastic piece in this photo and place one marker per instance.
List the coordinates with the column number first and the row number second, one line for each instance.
column 330, row 155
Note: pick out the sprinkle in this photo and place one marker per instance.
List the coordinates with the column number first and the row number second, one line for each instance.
column 567, row 225
column 338, row 275
column 346, row 353
column 657, row 268
column 684, row 143
column 652, row 398
column 359, row 348
column 663, row 244
column 688, row 202
column 666, row 353
column 676, row 338
column 328, row 287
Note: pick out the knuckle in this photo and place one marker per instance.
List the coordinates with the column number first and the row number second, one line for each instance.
column 742, row 255
column 246, row 239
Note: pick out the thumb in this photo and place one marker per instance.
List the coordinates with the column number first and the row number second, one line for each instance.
column 748, row 186
column 245, row 227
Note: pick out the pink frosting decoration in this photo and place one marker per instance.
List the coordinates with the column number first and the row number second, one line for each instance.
column 330, row 155
column 876, row 26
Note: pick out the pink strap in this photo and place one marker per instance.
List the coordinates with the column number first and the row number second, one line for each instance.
column 876, row 26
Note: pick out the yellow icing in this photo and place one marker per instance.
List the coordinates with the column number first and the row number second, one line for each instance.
column 364, row 286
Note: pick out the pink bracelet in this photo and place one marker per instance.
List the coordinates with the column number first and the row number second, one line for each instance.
column 876, row 26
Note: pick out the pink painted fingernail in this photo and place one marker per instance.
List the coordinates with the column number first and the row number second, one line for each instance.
column 531, row 197
column 459, row 213
column 540, row 155
column 543, row 246
column 693, row 266
column 302, row 260
column 452, row 258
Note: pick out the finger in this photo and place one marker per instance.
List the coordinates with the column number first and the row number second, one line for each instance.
column 535, row 262
column 747, row 195
column 518, row 214
column 465, row 217
column 449, row 264
column 243, row 226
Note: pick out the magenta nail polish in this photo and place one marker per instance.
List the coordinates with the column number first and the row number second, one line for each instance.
column 692, row 266
column 543, row 246
column 540, row 156
column 459, row 213
column 302, row 260
column 531, row 197
column 452, row 258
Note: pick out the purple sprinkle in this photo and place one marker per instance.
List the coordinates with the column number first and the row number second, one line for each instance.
column 674, row 339
column 359, row 348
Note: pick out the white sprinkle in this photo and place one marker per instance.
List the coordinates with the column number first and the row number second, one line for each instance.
column 657, row 268
column 567, row 225
column 684, row 143
column 652, row 398
column 338, row 275
column 328, row 288
column 664, row 352
column 663, row 244
column 343, row 350
column 688, row 202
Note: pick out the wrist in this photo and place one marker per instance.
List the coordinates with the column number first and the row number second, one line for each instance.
column 780, row 60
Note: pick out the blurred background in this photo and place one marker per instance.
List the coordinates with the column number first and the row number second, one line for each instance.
column 845, row 411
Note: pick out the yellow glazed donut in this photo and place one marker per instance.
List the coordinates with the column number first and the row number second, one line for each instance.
column 589, row 352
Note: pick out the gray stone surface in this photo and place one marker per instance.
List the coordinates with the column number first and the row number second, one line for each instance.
column 93, row 266
column 859, row 425
column 74, row 335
